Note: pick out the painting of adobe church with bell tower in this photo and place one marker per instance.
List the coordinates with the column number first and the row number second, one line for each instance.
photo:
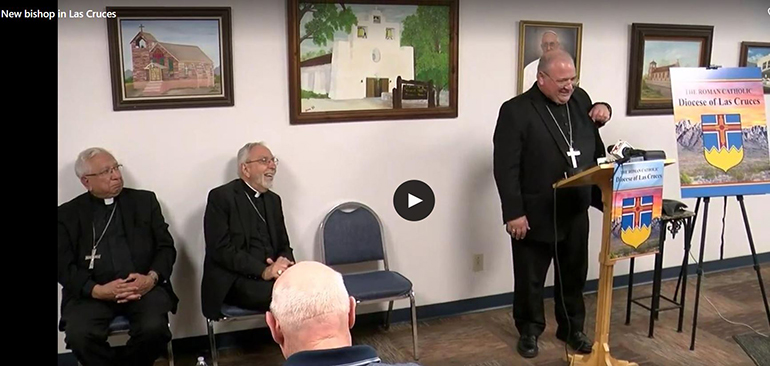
column 167, row 62
column 372, row 60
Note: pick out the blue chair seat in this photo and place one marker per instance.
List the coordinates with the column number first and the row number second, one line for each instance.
column 231, row 311
column 119, row 324
column 377, row 285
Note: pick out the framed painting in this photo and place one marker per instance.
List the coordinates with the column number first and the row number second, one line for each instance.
column 757, row 54
column 170, row 57
column 655, row 49
column 536, row 38
column 372, row 60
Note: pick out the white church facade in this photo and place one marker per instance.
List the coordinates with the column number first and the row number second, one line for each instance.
column 365, row 65
column 764, row 64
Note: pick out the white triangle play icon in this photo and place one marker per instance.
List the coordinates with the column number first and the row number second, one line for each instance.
column 413, row 200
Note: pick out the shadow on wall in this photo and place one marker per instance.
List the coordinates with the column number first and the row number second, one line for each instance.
column 69, row 184
column 480, row 235
column 188, row 272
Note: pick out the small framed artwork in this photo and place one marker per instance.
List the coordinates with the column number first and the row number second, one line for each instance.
column 372, row 60
column 757, row 54
column 536, row 38
column 655, row 49
column 170, row 57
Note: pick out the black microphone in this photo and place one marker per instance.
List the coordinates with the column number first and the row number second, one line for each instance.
column 633, row 152
column 620, row 150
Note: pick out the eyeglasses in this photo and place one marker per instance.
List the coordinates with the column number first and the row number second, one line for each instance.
column 563, row 83
column 106, row 171
column 263, row 161
column 549, row 45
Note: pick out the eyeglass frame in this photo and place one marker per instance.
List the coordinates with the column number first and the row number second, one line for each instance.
column 554, row 44
column 575, row 81
column 263, row 161
column 106, row 171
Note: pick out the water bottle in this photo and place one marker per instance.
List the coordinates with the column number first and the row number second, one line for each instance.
column 201, row 362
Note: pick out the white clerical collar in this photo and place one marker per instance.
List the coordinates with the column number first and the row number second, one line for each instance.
column 256, row 192
column 109, row 201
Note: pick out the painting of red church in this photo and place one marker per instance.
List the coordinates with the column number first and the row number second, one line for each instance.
column 163, row 68
column 170, row 57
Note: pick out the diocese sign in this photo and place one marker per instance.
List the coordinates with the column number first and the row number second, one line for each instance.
column 721, row 131
column 636, row 208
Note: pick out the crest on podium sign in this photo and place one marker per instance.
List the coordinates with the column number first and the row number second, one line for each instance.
column 636, row 208
column 636, row 221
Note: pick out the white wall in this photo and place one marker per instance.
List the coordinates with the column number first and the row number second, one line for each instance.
column 182, row 154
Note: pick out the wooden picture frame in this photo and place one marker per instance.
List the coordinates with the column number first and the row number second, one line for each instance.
column 649, row 86
column 536, row 37
column 170, row 57
column 370, row 60
column 760, row 57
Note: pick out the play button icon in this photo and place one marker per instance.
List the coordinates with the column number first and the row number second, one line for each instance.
column 414, row 200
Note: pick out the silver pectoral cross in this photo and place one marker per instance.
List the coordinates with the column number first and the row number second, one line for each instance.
column 92, row 257
column 573, row 154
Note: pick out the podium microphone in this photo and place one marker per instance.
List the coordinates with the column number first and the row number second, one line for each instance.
column 622, row 152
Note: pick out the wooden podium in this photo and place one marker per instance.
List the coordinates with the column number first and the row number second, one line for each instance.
column 601, row 176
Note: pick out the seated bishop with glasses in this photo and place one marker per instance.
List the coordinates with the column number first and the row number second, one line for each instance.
column 115, row 258
column 247, row 245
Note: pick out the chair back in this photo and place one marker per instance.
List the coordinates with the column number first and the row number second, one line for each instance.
column 352, row 233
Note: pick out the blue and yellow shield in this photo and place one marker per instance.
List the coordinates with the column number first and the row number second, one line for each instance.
column 636, row 221
column 722, row 140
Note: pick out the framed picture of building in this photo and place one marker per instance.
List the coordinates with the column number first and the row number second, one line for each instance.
column 536, row 38
column 170, row 57
column 757, row 54
column 372, row 60
column 655, row 49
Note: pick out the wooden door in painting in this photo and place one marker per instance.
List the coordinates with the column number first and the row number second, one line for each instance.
column 376, row 86
column 155, row 74
column 383, row 87
column 370, row 86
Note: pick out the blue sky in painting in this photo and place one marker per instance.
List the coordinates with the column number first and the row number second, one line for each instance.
column 203, row 33
column 755, row 53
column 667, row 52
column 391, row 13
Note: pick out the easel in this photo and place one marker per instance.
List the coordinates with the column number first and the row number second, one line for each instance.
column 706, row 201
column 601, row 176
column 704, row 225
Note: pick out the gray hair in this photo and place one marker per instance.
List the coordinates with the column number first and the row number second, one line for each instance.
column 81, row 164
column 550, row 31
column 243, row 153
column 293, row 305
column 550, row 57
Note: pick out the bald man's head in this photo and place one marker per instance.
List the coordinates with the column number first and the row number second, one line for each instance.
column 308, row 290
column 310, row 309
column 553, row 57
column 557, row 77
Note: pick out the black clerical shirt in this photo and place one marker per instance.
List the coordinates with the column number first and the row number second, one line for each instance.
column 114, row 259
column 259, row 243
column 581, row 138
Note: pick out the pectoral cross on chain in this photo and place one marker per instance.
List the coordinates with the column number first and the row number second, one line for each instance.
column 92, row 257
column 573, row 154
column 96, row 242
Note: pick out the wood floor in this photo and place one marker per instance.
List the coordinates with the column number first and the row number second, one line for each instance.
column 489, row 338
